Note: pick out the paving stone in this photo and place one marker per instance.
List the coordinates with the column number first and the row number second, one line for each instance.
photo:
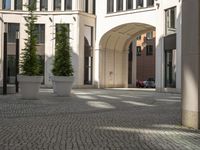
column 94, row 119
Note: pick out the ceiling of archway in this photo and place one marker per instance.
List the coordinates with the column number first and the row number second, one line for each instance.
column 116, row 38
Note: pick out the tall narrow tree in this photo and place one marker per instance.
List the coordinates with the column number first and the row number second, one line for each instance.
column 62, row 65
column 29, row 60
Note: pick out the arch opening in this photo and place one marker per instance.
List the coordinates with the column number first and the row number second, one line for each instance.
column 115, row 55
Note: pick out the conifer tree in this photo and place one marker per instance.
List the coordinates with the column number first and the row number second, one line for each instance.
column 29, row 61
column 62, row 65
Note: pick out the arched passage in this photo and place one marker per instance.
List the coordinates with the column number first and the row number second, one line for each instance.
column 113, row 56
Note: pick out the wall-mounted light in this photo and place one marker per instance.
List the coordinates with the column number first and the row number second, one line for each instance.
column 50, row 19
column 74, row 18
column 157, row 5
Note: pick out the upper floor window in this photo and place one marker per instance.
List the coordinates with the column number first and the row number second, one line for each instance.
column 119, row 5
column 32, row 2
column 149, row 50
column 68, row 4
column 110, row 6
column 57, row 4
column 94, row 7
column 138, row 37
column 43, row 5
column 150, row 3
column 40, row 31
column 86, row 8
column 149, row 35
column 12, row 29
column 6, row 4
column 170, row 24
column 18, row 4
column 139, row 3
column 139, row 50
column 129, row 4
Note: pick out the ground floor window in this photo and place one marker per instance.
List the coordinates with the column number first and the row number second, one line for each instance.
column 88, row 55
column 170, row 68
column 11, row 71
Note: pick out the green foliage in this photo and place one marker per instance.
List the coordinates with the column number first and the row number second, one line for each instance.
column 62, row 65
column 29, row 61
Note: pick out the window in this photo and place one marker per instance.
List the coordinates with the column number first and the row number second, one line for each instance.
column 130, row 53
column 170, row 16
column 138, row 48
column 149, row 35
column 139, row 4
column 18, row 4
column 86, row 6
column 11, row 70
column 32, row 2
column 149, row 50
column 129, row 4
column 94, row 7
column 150, row 3
column 43, row 5
column 58, row 28
column 12, row 29
column 88, row 55
column 170, row 68
column 7, row 4
column 68, row 4
column 57, row 4
column 110, row 6
column 138, row 37
column 40, row 31
column 119, row 5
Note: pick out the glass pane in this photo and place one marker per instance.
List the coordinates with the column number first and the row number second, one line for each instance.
column 119, row 5
column 110, row 6
column 170, row 68
column 18, row 4
column 129, row 4
column 68, row 4
column 31, row 2
column 11, row 70
column 40, row 31
column 139, row 4
column 170, row 17
column 7, row 4
column 12, row 29
column 150, row 3
column 57, row 4
column 43, row 5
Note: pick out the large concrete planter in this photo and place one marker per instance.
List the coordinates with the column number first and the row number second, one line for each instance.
column 62, row 85
column 29, row 86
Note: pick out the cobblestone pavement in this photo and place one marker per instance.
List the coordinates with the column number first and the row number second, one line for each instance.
column 93, row 119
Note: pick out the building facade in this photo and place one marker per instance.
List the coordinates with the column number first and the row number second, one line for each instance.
column 78, row 15
column 101, row 32
column 145, row 51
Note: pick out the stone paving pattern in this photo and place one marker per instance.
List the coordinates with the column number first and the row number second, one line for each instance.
column 93, row 119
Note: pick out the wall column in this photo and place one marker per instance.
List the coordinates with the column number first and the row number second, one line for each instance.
column 191, row 63
column 134, row 64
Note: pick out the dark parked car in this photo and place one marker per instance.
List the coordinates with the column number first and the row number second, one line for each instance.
column 149, row 83
column 139, row 84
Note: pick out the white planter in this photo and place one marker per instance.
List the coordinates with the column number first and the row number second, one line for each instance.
column 29, row 86
column 62, row 85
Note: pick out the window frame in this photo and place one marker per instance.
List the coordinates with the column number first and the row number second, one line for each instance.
column 149, row 50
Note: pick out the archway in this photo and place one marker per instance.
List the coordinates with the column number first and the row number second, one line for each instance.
column 113, row 56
